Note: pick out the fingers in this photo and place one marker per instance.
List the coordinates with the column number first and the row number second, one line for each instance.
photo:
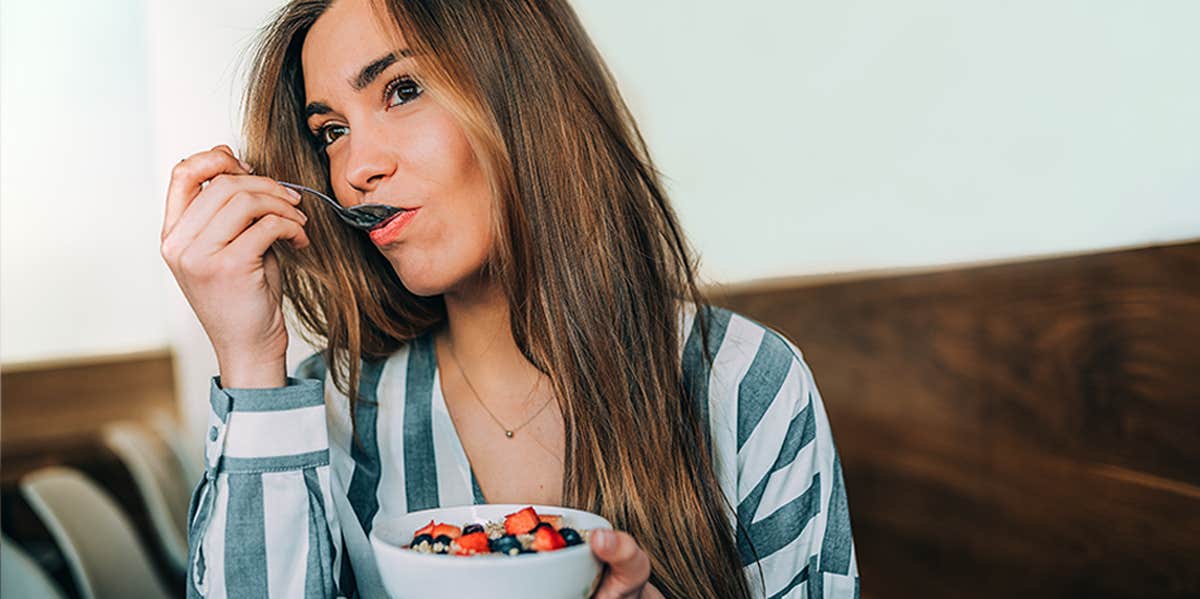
column 241, row 210
column 628, row 565
column 253, row 196
column 254, row 242
column 247, row 253
column 188, row 176
column 228, row 150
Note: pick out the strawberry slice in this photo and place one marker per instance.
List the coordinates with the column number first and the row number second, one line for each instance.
column 476, row 542
column 446, row 529
column 521, row 522
column 546, row 538
column 427, row 529
column 552, row 519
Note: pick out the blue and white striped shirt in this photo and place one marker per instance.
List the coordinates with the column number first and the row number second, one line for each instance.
column 263, row 523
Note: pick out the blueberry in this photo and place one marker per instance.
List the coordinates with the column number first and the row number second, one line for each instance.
column 507, row 545
column 470, row 528
column 570, row 536
column 442, row 544
column 425, row 538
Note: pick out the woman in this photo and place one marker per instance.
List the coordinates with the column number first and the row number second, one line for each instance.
column 532, row 333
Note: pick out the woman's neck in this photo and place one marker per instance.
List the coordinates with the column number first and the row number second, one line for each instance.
column 479, row 336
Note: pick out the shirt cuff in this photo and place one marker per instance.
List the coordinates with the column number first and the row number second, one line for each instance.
column 267, row 430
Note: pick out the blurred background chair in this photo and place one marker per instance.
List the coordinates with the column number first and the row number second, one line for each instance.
column 189, row 457
column 98, row 540
column 114, row 419
column 21, row 577
column 160, row 480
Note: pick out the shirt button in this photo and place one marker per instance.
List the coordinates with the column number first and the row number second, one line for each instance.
column 212, row 434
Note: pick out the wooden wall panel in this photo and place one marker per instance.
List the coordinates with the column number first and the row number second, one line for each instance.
column 1018, row 429
column 64, row 403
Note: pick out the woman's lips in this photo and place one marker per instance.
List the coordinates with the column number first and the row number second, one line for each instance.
column 390, row 230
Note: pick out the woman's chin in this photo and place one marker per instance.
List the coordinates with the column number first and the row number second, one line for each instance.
column 422, row 287
column 425, row 282
column 427, row 274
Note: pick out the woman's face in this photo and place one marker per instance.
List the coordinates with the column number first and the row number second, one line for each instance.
column 389, row 142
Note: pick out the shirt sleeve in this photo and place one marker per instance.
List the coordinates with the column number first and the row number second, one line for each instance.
column 261, row 521
column 793, row 517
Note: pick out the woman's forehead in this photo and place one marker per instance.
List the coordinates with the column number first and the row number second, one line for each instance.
column 345, row 41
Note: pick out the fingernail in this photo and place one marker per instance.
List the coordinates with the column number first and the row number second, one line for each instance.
column 246, row 166
column 293, row 192
column 601, row 539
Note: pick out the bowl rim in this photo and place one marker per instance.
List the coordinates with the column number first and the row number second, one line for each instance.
column 488, row 559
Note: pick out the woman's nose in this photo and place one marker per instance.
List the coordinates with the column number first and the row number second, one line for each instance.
column 370, row 160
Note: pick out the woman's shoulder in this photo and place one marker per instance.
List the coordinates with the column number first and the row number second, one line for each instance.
column 312, row 367
column 756, row 372
column 738, row 343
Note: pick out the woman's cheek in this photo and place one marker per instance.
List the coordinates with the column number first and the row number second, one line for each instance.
column 483, row 244
column 470, row 243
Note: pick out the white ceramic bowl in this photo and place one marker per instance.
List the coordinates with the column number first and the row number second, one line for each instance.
column 568, row 573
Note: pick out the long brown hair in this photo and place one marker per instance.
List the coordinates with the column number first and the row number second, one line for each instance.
column 589, row 253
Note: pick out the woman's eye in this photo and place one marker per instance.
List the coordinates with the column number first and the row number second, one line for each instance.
column 324, row 134
column 400, row 90
column 403, row 89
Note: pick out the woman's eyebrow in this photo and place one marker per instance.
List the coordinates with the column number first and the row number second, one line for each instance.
column 316, row 108
column 377, row 66
column 364, row 78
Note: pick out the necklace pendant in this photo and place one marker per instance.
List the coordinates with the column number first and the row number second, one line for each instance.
column 508, row 434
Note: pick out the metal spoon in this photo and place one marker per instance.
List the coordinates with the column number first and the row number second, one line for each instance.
column 363, row 216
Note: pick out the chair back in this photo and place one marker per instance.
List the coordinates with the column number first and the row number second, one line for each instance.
column 96, row 537
column 20, row 576
column 160, row 482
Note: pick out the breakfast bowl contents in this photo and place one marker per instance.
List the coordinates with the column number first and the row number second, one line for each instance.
column 506, row 551
column 523, row 531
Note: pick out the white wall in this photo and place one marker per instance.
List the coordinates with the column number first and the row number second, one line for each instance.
column 829, row 136
column 77, row 230
column 798, row 137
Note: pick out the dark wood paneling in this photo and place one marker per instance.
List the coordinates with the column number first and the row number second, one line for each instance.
column 65, row 402
column 1019, row 429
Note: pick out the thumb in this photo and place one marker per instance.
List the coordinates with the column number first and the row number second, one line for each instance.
column 628, row 564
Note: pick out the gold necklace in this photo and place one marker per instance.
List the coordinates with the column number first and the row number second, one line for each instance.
column 508, row 432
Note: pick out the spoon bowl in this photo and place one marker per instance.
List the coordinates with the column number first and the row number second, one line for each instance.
column 363, row 216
